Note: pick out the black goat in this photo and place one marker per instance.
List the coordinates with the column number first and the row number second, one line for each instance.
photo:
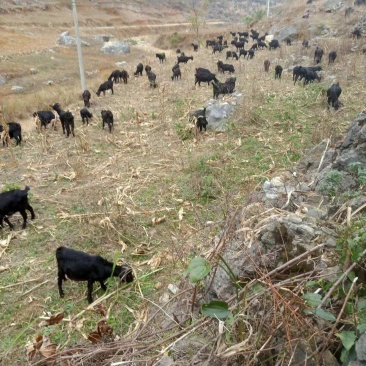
column 243, row 52
column 217, row 48
column 107, row 119
column 332, row 56
column 243, row 34
column 305, row 43
column 139, row 69
column 204, row 75
column 318, row 54
column 45, row 117
column 274, row 44
column 14, row 201
column 266, row 65
column 250, row 54
column 232, row 54
column 108, row 85
column 152, row 79
column 333, row 94
column 201, row 121
column 176, row 73
column 278, row 72
column 239, row 45
column 223, row 88
column 124, row 76
column 310, row 76
column 356, row 33
column 115, row 76
column 81, row 266
column 225, row 67
column 147, row 69
column 161, row 57
column 86, row 98
column 195, row 47
column 261, row 45
column 299, row 72
column 66, row 118
column 184, row 59
column 210, row 42
column 288, row 41
column 85, row 115
column 14, row 130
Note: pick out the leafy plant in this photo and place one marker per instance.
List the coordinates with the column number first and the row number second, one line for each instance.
column 359, row 173
column 331, row 184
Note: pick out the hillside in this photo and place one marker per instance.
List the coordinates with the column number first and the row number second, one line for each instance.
column 156, row 193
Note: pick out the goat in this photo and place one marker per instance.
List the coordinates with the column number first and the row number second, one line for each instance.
column 161, row 57
column 15, row 200
column 274, row 44
column 86, row 98
column 108, row 85
column 147, row 69
column 184, row 59
column 250, row 54
column 261, row 45
column 124, row 76
column 223, row 88
column 225, row 67
column 333, row 94
column 139, row 69
column 318, row 54
column 45, row 117
column 195, row 47
column 152, row 79
column 217, row 48
column 210, row 42
column 176, row 73
column 243, row 52
column 204, row 75
column 299, row 72
column 201, row 121
column 288, row 41
column 239, row 45
column 278, row 72
column 243, row 34
column 266, row 65
column 233, row 34
column 107, row 119
column 332, row 56
column 356, row 33
column 12, row 130
column 305, row 43
column 310, row 76
column 348, row 11
column 115, row 76
column 66, row 118
column 81, row 266
column 85, row 115
column 231, row 54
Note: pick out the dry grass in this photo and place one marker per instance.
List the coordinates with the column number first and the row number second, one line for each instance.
column 150, row 198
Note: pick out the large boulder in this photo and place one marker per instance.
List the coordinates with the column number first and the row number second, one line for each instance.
column 217, row 115
column 115, row 48
column 287, row 32
column 66, row 40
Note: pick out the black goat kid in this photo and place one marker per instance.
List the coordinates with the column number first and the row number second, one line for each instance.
column 14, row 201
column 80, row 266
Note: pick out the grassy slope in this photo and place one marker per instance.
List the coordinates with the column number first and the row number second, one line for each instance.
column 98, row 191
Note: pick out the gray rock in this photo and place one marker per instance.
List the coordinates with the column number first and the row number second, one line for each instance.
column 17, row 89
column 217, row 115
column 2, row 80
column 357, row 363
column 33, row 71
column 67, row 40
column 289, row 31
column 115, row 48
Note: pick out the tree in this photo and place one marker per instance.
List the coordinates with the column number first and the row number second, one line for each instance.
column 197, row 17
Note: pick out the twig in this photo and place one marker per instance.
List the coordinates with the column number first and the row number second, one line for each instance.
column 19, row 283
column 33, row 288
column 340, row 279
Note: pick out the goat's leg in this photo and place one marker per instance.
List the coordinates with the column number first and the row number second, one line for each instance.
column 90, row 290
column 30, row 209
column 9, row 223
column 103, row 286
column 61, row 276
column 24, row 215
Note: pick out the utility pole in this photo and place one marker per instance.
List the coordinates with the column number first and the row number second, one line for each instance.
column 78, row 45
column 267, row 8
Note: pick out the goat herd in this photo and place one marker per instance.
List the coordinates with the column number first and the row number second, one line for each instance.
column 81, row 266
